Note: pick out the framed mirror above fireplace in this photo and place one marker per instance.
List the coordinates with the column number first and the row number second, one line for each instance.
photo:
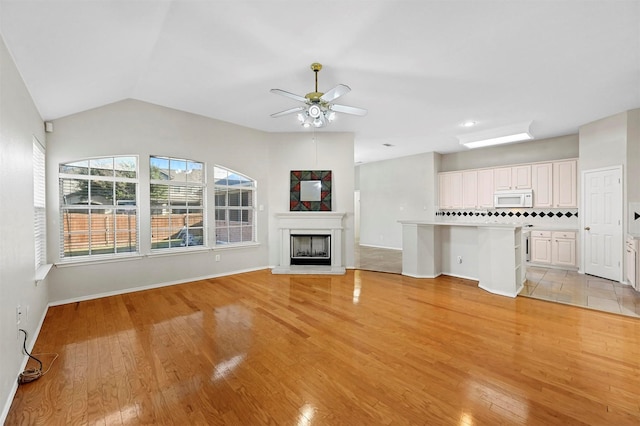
column 310, row 190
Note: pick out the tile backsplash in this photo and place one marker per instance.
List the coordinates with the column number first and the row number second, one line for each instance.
column 539, row 217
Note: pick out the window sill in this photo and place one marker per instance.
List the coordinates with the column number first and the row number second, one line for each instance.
column 171, row 252
column 94, row 261
column 43, row 271
column 235, row 246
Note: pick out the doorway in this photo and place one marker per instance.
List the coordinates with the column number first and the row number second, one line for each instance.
column 602, row 222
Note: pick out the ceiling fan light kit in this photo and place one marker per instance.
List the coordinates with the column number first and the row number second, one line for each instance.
column 318, row 110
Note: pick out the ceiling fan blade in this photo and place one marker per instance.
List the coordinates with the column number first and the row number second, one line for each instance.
column 289, row 95
column 348, row 109
column 335, row 93
column 287, row 111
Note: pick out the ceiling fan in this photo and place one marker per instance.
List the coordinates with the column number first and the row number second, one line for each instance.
column 318, row 109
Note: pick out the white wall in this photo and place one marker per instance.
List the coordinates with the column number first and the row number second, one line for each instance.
column 134, row 127
column 525, row 152
column 312, row 151
column 392, row 190
column 19, row 123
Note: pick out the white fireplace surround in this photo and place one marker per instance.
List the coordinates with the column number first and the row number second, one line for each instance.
column 310, row 223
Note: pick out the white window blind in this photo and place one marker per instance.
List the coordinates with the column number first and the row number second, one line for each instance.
column 99, row 207
column 39, row 204
column 177, row 189
column 234, row 209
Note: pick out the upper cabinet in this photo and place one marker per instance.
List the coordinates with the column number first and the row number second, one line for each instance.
column 542, row 183
column 554, row 185
column 470, row 189
column 565, row 184
column 516, row 177
column 450, row 188
column 485, row 188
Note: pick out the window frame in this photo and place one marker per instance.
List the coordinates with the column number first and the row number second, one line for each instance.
column 39, row 204
column 111, row 211
column 250, row 188
column 176, row 187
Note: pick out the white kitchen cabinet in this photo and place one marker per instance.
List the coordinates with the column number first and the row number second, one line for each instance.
column 516, row 177
column 557, row 248
column 565, row 184
column 450, row 188
column 470, row 189
column 541, row 247
column 485, row 188
column 563, row 249
column 502, row 178
column 521, row 177
column 542, row 184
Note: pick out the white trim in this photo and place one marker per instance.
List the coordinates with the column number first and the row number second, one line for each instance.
column 583, row 208
column 14, row 388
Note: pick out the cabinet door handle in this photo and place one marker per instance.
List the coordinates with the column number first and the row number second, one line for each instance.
column 586, row 228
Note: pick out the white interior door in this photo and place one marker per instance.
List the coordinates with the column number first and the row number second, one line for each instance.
column 602, row 212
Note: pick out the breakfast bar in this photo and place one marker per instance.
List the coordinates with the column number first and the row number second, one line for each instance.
column 490, row 253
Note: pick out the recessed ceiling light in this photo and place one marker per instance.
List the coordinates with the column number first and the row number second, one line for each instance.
column 469, row 124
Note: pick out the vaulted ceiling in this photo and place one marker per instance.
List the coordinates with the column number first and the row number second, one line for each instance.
column 421, row 68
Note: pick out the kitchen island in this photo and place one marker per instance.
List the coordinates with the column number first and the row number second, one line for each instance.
column 490, row 253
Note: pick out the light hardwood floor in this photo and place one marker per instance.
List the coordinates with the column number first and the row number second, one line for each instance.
column 365, row 348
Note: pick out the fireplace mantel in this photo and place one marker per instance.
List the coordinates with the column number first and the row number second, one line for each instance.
column 310, row 223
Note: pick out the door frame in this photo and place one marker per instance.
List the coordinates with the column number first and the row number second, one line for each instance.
column 583, row 209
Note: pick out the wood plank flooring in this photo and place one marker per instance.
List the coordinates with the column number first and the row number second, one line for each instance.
column 365, row 348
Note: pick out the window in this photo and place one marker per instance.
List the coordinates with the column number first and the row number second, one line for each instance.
column 98, row 203
column 177, row 203
column 39, row 206
column 234, row 211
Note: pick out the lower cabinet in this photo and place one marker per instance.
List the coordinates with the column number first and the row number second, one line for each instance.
column 563, row 248
column 553, row 248
column 541, row 247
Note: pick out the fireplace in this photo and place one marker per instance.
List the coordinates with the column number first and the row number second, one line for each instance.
column 310, row 249
column 319, row 251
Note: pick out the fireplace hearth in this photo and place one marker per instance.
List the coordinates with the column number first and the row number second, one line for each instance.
column 310, row 249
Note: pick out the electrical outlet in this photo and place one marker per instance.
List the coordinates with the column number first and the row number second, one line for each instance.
column 459, row 259
column 26, row 314
column 18, row 314
column 217, row 258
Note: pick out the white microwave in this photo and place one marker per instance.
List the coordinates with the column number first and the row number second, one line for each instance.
column 518, row 198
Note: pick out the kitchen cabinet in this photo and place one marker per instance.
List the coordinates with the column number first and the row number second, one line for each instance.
column 541, row 247
column 565, row 184
column 485, row 188
column 557, row 248
column 470, row 189
column 563, row 249
column 542, row 184
column 450, row 188
column 516, row 177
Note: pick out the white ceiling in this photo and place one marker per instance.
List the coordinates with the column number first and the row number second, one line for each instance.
column 421, row 68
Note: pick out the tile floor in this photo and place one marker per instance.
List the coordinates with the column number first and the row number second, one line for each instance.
column 555, row 285
column 572, row 288
column 378, row 259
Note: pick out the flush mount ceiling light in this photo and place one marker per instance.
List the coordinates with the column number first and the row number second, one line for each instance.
column 318, row 109
column 498, row 136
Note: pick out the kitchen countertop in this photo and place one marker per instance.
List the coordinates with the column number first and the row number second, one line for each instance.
column 551, row 228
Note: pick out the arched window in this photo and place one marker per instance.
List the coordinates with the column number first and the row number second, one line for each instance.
column 98, row 207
